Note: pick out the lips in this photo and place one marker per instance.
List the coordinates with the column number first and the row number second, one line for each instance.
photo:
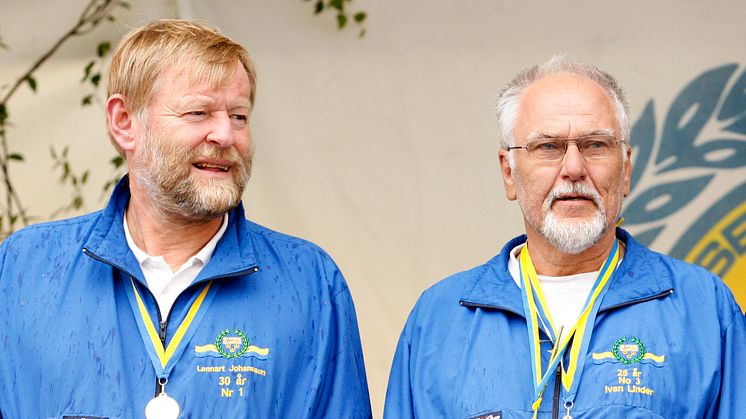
column 212, row 166
column 574, row 198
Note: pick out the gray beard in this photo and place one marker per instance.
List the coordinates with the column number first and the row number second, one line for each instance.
column 574, row 237
column 162, row 170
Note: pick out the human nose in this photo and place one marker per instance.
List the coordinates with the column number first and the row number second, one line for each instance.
column 221, row 131
column 573, row 163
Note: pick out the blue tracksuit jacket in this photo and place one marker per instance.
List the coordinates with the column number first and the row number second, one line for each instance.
column 280, row 338
column 669, row 341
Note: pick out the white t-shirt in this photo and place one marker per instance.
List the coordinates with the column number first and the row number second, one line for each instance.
column 165, row 284
column 564, row 295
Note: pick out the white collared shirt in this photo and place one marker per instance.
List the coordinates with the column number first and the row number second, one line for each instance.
column 165, row 284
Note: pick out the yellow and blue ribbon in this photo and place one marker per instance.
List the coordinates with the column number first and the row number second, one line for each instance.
column 534, row 307
column 164, row 359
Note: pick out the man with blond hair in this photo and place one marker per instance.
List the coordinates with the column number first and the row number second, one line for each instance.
column 574, row 319
column 168, row 302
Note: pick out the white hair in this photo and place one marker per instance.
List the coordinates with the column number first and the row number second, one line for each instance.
column 509, row 97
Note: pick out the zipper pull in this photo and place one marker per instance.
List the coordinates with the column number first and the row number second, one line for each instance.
column 162, row 333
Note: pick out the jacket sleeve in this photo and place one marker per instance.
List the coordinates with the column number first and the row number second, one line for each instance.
column 399, row 402
column 341, row 387
column 732, row 400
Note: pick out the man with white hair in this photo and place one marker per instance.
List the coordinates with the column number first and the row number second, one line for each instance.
column 168, row 302
column 574, row 319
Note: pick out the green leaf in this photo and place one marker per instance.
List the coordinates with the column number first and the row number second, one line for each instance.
column 3, row 114
column 110, row 18
column 77, row 202
column 84, row 178
column 95, row 79
column 360, row 17
column 337, row 4
column 87, row 100
column 319, row 7
column 117, row 161
column 87, row 70
column 103, row 48
column 341, row 21
column 124, row 5
column 31, row 82
column 15, row 156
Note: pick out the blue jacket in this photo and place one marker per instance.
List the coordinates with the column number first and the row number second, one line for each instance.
column 669, row 341
column 70, row 346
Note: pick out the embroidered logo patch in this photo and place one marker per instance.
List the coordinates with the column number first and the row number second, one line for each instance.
column 231, row 345
column 628, row 351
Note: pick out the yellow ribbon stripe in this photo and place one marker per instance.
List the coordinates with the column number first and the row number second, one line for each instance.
column 149, row 326
column 164, row 356
column 580, row 327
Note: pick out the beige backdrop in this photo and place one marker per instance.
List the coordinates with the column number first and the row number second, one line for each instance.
column 381, row 149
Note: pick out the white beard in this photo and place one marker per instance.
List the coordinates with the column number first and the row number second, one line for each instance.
column 577, row 236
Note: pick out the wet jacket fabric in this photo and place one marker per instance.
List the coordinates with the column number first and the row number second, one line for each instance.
column 279, row 339
column 669, row 341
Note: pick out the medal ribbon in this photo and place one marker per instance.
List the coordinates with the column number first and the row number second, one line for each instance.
column 534, row 307
column 164, row 359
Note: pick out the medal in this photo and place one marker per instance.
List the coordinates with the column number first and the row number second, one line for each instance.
column 163, row 357
column 162, row 407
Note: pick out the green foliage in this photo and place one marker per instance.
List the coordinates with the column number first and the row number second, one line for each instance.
column 69, row 177
column 92, row 71
column 103, row 48
column 340, row 7
column 31, row 82
column 116, row 163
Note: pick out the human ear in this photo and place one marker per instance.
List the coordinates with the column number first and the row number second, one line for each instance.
column 120, row 121
column 507, row 173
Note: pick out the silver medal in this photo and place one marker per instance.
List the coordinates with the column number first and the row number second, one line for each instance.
column 162, row 407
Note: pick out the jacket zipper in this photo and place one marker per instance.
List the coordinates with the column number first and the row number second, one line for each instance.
column 555, row 403
column 163, row 324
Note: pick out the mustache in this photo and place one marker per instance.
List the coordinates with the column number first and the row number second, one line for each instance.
column 575, row 189
column 206, row 151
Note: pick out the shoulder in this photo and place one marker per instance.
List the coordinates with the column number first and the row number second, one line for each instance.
column 52, row 233
column 692, row 285
column 293, row 255
column 285, row 243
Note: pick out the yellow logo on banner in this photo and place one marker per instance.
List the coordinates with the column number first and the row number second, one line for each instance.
column 723, row 249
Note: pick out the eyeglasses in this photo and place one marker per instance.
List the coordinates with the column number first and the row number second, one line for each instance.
column 553, row 149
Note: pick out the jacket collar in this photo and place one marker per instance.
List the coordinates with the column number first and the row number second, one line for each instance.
column 634, row 280
column 233, row 254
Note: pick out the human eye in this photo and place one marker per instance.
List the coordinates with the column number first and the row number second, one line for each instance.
column 194, row 115
column 548, row 144
column 240, row 119
column 596, row 146
column 546, row 148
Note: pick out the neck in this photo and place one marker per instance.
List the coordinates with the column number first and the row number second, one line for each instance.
column 550, row 261
column 156, row 235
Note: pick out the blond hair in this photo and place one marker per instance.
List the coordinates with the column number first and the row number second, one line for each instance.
column 147, row 52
